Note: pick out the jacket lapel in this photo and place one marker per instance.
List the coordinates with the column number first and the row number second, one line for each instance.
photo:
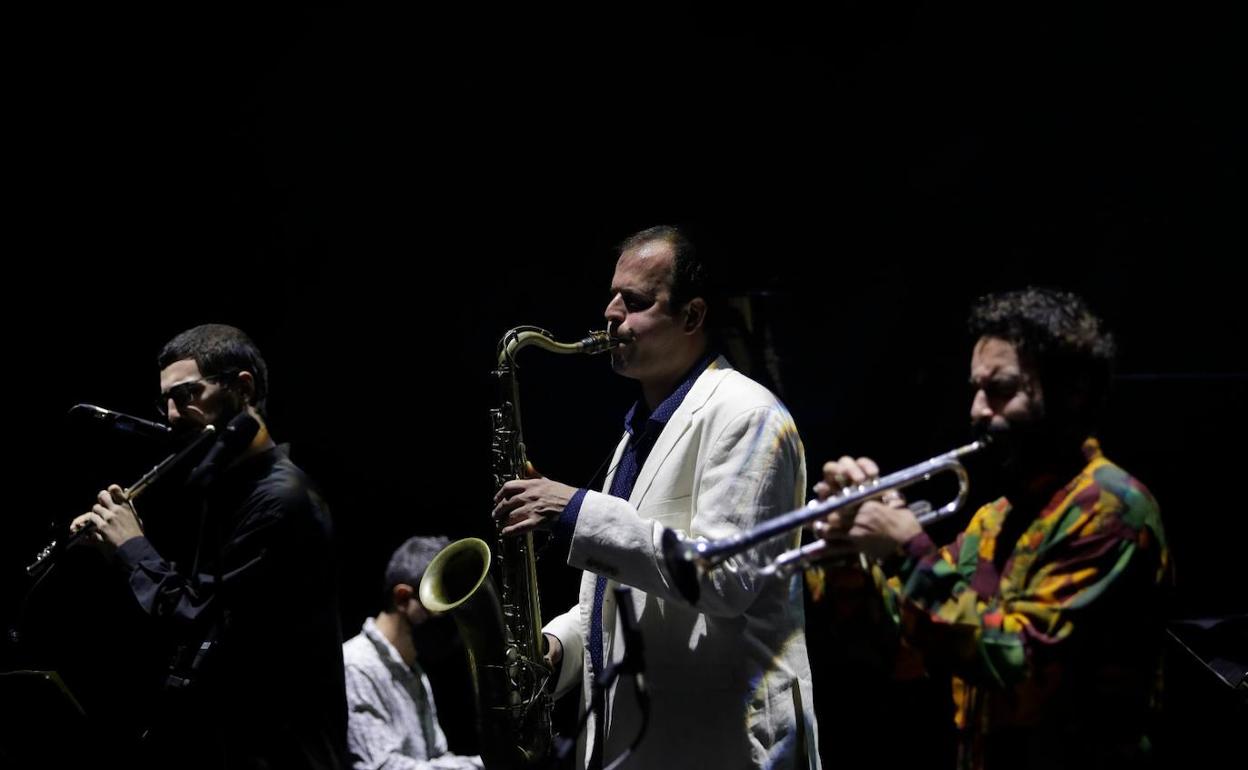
column 615, row 463
column 678, row 425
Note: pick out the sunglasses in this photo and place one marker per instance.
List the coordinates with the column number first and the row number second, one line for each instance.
column 185, row 392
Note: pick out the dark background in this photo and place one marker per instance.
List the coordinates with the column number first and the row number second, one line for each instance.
column 376, row 197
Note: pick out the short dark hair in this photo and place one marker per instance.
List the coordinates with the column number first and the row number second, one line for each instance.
column 690, row 274
column 219, row 349
column 409, row 562
column 1059, row 335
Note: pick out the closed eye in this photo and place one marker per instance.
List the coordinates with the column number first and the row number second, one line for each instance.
column 1002, row 389
column 635, row 302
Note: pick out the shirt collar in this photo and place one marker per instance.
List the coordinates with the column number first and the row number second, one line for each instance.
column 1091, row 449
column 385, row 649
column 637, row 418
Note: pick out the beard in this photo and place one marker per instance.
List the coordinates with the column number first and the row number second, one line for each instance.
column 624, row 361
column 225, row 407
column 228, row 414
column 1017, row 451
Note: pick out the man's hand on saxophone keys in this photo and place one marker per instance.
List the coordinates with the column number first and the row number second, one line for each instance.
column 523, row 505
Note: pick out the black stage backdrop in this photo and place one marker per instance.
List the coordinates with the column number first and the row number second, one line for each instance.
column 377, row 197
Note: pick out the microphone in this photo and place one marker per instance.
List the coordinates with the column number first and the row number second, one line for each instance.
column 234, row 439
column 124, row 423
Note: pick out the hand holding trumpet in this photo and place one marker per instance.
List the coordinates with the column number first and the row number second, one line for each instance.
column 848, row 488
column 876, row 527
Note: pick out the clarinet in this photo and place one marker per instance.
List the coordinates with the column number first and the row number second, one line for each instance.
column 53, row 550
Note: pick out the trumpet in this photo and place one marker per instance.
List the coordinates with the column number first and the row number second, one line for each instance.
column 687, row 559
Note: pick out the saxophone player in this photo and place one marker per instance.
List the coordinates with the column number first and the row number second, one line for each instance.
column 705, row 451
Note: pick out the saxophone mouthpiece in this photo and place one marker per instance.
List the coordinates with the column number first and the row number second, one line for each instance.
column 599, row 342
column 624, row 339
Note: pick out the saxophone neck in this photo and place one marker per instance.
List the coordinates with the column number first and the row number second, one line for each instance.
column 524, row 336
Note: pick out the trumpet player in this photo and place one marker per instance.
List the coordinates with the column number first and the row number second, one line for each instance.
column 709, row 452
column 1046, row 606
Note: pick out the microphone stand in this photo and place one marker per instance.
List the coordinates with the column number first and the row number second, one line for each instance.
column 632, row 663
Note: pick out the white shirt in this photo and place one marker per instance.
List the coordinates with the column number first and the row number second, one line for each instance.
column 392, row 721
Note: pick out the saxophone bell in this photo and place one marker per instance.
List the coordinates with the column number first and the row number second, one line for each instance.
column 491, row 593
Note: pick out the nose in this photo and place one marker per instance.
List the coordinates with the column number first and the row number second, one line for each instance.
column 980, row 408
column 615, row 312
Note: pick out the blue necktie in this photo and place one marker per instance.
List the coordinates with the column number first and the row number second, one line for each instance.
column 621, row 487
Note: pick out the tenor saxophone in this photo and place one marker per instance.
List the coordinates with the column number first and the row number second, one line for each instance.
column 498, row 615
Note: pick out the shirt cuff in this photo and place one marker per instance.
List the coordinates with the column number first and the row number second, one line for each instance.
column 567, row 519
column 919, row 546
column 135, row 551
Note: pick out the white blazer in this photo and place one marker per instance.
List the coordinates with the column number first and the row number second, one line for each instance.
column 728, row 678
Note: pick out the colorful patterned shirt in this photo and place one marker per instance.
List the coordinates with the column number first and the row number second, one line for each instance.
column 1056, row 655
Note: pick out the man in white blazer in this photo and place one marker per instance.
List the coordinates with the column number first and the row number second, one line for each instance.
column 707, row 452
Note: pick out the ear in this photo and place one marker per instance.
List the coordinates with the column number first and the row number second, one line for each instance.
column 401, row 594
column 695, row 314
column 247, row 385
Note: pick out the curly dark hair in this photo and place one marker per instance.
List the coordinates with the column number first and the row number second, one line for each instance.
column 1057, row 333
